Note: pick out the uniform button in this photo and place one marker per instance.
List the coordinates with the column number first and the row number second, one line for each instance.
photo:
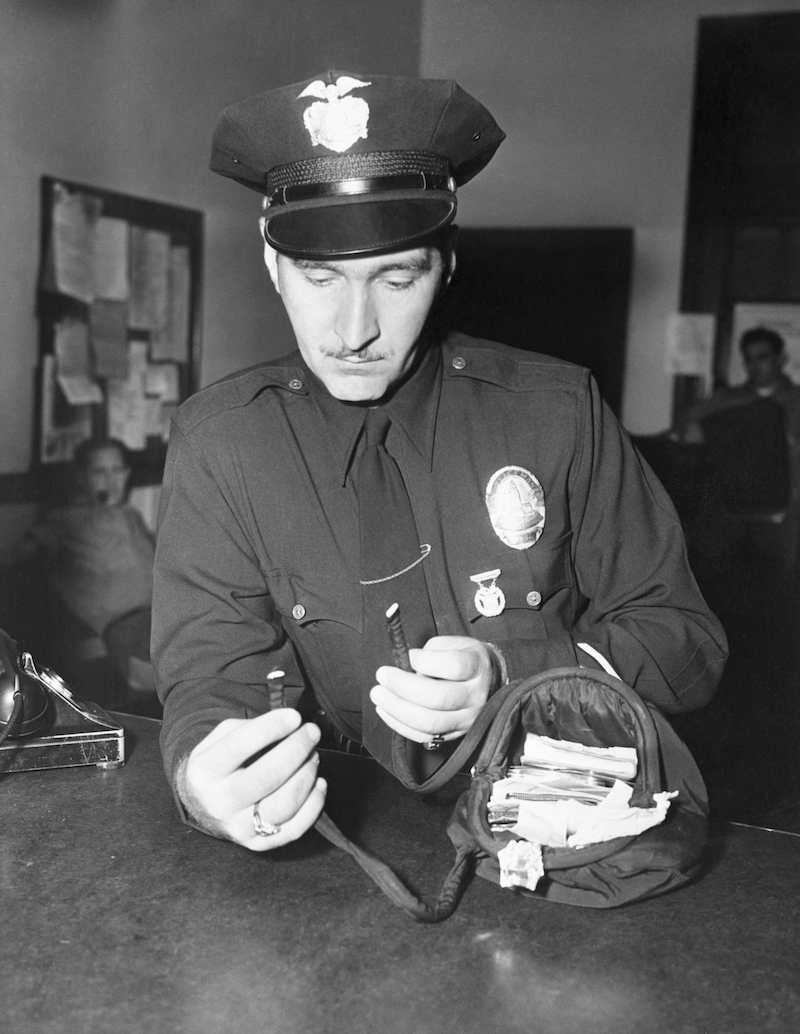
column 298, row 611
column 296, row 384
column 534, row 598
column 459, row 362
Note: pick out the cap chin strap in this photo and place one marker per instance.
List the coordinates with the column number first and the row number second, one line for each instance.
column 372, row 185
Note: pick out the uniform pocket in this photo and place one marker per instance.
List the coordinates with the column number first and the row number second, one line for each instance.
column 529, row 580
column 305, row 602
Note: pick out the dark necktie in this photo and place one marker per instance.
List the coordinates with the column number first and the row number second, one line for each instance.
column 391, row 563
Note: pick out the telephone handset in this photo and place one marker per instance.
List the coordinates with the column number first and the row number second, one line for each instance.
column 23, row 701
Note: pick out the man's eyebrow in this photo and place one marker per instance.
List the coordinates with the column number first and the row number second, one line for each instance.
column 415, row 264
column 308, row 264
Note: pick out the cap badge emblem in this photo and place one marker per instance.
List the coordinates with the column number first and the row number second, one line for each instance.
column 336, row 121
column 490, row 598
column 515, row 501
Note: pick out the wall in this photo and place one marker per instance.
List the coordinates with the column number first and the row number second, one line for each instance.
column 124, row 95
column 595, row 95
column 596, row 98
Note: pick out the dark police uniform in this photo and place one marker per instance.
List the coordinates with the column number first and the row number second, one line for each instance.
column 258, row 552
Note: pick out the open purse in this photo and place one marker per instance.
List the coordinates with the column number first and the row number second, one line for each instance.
column 581, row 706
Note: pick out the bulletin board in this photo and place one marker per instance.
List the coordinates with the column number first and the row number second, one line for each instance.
column 118, row 305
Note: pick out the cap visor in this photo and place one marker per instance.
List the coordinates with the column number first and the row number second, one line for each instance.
column 355, row 227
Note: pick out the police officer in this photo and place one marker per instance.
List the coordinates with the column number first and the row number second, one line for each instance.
column 488, row 491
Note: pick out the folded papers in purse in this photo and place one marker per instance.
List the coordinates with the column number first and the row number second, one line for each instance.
column 566, row 795
column 614, row 762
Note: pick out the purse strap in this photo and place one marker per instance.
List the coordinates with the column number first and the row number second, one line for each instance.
column 391, row 884
column 455, row 881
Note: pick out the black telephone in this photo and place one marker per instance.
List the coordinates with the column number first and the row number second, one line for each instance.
column 44, row 725
column 23, row 700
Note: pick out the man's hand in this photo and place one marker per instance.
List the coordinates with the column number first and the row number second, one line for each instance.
column 453, row 678
column 220, row 793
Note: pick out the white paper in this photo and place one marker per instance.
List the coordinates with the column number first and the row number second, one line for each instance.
column 618, row 762
column 137, row 360
column 71, row 348
column 690, row 344
column 149, row 279
column 173, row 341
column 59, row 438
column 128, row 414
column 80, row 390
column 110, row 259
column 73, row 220
column 162, row 381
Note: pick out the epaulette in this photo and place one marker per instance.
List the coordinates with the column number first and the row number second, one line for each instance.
column 508, row 367
column 240, row 389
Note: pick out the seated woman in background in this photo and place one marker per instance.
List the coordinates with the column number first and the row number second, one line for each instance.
column 98, row 561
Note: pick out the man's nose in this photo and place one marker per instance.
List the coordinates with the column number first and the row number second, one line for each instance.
column 356, row 319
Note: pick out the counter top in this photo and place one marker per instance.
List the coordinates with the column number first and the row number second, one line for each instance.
column 116, row 917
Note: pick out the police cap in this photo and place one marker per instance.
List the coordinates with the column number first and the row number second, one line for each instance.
column 354, row 164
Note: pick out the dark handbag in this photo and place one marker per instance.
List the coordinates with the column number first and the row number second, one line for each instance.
column 586, row 707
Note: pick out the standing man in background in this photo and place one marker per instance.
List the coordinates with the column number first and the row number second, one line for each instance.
column 490, row 492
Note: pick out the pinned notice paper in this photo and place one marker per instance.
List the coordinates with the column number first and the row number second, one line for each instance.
column 149, row 279
column 74, row 218
column 173, row 341
column 74, row 364
column 110, row 259
column 62, row 427
column 71, row 347
column 690, row 344
column 162, row 380
column 80, row 391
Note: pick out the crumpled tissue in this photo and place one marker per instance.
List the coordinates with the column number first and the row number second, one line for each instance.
column 574, row 824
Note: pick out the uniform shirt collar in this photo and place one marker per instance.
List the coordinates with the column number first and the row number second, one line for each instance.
column 412, row 408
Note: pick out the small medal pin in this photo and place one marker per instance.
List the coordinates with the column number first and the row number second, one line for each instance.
column 490, row 598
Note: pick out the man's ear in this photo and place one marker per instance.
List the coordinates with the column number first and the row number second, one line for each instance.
column 270, row 257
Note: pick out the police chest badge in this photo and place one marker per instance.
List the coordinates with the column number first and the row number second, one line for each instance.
column 336, row 121
column 490, row 600
column 515, row 501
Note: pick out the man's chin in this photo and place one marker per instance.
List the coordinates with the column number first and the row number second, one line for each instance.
column 357, row 389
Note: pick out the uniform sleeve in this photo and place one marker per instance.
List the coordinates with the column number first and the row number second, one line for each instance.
column 644, row 612
column 216, row 633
